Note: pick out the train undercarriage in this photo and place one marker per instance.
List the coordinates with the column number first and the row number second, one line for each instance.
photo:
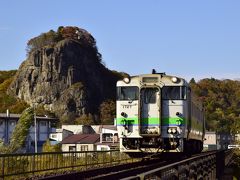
column 148, row 145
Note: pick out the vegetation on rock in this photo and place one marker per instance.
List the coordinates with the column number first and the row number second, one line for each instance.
column 4, row 75
column 52, row 37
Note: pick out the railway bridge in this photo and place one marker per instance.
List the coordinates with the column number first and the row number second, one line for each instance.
column 114, row 165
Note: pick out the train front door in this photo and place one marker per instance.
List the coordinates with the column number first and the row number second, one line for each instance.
column 150, row 111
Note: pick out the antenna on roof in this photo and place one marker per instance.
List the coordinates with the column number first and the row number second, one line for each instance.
column 8, row 114
column 153, row 71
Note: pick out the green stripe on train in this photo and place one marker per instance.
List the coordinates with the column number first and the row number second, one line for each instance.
column 165, row 121
column 173, row 121
column 120, row 121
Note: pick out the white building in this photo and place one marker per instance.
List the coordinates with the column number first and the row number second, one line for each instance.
column 80, row 142
column 79, row 129
column 215, row 140
column 108, row 139
column 102, row 138
column 60, row 134
column 210, row 142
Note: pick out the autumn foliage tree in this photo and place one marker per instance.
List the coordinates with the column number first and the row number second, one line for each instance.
column 85, row 119
column 221, row 99
column 8, row 101
column 107, row 112
column 52, row 37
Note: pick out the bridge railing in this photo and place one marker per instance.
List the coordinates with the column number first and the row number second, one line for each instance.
column 205, row 166
column 24, row 165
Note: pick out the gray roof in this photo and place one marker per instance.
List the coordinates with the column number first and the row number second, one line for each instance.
column 81, row 139
column 17, row 116
column 112, row 127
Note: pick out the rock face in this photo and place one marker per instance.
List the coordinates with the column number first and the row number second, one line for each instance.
column 66, row 78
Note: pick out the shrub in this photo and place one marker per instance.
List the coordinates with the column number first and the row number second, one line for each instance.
column 47, row 147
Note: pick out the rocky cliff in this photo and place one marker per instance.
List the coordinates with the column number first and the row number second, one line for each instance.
column 65, row 76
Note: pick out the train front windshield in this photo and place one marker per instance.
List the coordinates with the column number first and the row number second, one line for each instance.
column 174, row 93
column 127, row 93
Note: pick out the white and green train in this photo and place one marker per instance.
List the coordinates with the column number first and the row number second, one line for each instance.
column 157, row 112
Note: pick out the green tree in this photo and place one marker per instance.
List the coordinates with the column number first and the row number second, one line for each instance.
column 192, row 81
column 20, row 132
column 221, row 99
column 7, row 101
column 85, row 119
column 107, row 112
column 47, row 147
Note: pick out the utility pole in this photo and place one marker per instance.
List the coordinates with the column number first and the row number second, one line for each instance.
column 35, row 127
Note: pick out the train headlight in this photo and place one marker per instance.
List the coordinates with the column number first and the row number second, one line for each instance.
column 174, row 79
column 172, row 130
column 126, row 80
column 169, row 130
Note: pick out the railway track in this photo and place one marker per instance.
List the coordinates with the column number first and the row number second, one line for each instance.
column 127, row 170
column 107, row 172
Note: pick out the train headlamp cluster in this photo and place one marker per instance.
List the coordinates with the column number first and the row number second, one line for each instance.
column 126, row 80
column 174, row 79
column 172, row 130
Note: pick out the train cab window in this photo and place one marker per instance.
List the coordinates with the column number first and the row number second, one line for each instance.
column 127, row 93
column 149, row 95
column 174, row 93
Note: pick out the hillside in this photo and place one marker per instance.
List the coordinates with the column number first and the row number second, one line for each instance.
column 15, row 105
column 221, row 99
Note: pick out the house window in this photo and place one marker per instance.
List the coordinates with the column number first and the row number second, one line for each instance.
column 114, row 148
column 54, row 136
column 84, row 148
column 12, row 123
column 107, row 137
column 43, row 123
column 104, row 149
column 72, row 148
column 116, row 138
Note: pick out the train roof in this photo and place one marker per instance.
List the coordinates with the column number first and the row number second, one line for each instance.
column 157, row 78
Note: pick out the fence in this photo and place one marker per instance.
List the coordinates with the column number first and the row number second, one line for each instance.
column 27, row 165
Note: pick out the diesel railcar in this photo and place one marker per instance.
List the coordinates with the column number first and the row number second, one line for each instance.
column 158, row 113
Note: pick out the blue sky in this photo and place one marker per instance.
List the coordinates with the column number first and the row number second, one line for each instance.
column 187, row 38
